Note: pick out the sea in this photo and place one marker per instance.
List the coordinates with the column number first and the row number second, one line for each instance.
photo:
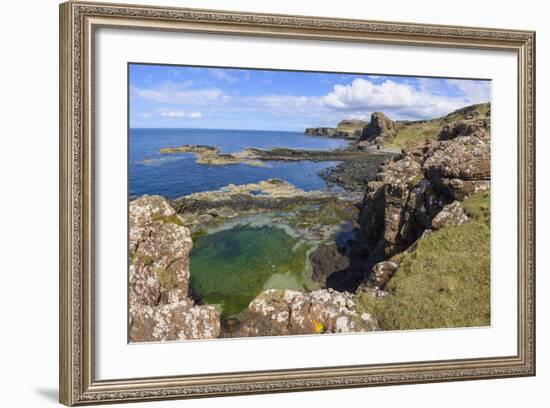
column 177, row 174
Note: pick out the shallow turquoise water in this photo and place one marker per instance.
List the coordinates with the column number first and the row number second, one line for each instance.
column 231, row 267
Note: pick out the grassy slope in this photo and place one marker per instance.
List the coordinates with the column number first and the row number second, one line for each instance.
column 444, row 281
column 419, row 132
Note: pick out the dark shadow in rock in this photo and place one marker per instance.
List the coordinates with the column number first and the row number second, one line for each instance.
column 326, row 260
column 349, row 279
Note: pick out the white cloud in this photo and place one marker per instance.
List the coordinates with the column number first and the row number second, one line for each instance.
column 475, row 91
column 179, row 94
column 403, row 100
column 421, row 98
column 180, row 114
column 223, row 75
column 363, row 94
column 282, row 102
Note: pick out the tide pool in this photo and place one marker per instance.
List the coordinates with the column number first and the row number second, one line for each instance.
column 232, row 266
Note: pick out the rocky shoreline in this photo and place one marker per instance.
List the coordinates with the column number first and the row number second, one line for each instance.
column 391, row 207
column 351, row 129
column 211, row 155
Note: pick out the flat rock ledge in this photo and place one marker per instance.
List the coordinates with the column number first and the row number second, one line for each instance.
column 209, row 208
column 211, row 155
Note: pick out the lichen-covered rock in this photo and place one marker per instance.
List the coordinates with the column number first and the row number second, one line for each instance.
column 174, row 321
column 159, row 251
column 286, row 312
column 381, row 216
column 461, row 166
column 380, row 127
column 415, row 187
column 381, row 273
column 451, row 214
column 159, row 276
column 462, row 128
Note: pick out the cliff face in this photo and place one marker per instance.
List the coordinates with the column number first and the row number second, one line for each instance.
column 160, row 306
column 353, row 128
column 346, row 129
column 413, row 188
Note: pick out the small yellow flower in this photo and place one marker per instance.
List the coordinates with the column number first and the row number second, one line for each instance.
column 319, row 326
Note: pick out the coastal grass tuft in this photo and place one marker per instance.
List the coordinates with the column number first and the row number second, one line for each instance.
column 165, row 278
column 444, row 281
column 146, row 259
column 168, row 219
column 198, row 234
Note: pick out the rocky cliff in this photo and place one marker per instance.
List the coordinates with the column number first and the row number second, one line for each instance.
column 420, row 221
column 413, row 188
column 160, row 306
column 346, row 129
column 380, row 129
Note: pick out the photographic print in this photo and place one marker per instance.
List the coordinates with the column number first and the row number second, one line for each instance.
column 271, row 202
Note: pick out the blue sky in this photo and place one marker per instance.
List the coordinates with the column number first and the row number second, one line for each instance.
column 221, row 98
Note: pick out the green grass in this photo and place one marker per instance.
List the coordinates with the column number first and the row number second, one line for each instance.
column 478, row 207
column 231, row 267
column 416, row 133
column 444, row 281
column 482, row 108
column 419, row 133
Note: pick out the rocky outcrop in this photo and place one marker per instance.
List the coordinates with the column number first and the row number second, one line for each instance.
column 287, row 312
column 352, row 128
column 211, row 155
column 322, row 131
column 354, row 175
column 470, row 112
column 412, row 189
column 380, row 128
column 451, row 214
column 198, row 210
column 160, row 308
column 325, row 260
column 346, row 129
column 463, row 128
column 462, row 165
column 381, row 273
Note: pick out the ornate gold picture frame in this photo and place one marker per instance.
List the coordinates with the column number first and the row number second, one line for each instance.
column 79, row 22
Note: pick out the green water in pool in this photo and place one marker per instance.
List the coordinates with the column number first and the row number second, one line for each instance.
column 231, row 267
